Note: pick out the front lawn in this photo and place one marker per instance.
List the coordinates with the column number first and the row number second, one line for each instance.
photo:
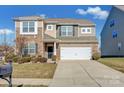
column 5, row 85
column 34, row 70
column 115, row 63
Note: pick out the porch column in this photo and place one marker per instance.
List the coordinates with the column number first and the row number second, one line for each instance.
column 54, row 48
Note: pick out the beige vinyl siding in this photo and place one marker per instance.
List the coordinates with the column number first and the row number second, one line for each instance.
column 51, row 33
column 93, row 33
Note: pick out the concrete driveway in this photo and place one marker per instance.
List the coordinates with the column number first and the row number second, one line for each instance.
column 86, row 74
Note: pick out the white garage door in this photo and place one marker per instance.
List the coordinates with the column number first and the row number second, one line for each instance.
column 75, row 53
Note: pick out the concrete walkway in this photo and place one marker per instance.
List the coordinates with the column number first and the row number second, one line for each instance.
column 86, row 74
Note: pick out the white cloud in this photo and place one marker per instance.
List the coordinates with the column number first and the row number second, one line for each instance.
column 81, row 11
column 97, row 12
column 7, row 31
column 43, row 16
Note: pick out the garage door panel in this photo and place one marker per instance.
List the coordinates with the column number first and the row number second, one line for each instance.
column 75, row 53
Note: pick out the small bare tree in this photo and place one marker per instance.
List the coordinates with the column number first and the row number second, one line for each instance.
column 20, row 43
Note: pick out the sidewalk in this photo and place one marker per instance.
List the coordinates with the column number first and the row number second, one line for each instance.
column 27, row 81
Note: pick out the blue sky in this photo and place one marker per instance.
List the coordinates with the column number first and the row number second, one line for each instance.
column 97, row 14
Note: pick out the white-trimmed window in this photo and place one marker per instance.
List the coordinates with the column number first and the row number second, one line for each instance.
column 29, row 49
column 66, row 30
column 83, row 30
column 28, row 27
column 49, row 27
column 86, row 30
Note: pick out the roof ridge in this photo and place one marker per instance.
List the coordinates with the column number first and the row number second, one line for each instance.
column 68, row 18
column 120, row 7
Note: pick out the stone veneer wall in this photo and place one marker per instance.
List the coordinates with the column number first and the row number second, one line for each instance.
column 38, row 39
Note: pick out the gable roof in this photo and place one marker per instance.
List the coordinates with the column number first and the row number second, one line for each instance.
column 59, row 21
column 56, row 20
column 69, row 21
column 121, row 7
column 118, row 7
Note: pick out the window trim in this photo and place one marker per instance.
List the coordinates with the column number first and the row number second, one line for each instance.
column 28, row 33
column 67, row 31
column 47, row 27
column 86, row 30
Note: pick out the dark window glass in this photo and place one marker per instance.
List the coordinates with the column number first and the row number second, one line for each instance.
column 25, row 26
column 83, row 30
column 88, row 30
column 114, row 34
column 31, row 26
column 28, row 26
column 66, row 30
column 49, row 27
column 112, row 23
column 29, row 49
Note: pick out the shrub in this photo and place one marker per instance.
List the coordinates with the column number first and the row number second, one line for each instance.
column 54, row 58
column 16, row 59
column 43, row 60
column 96, row 56
column 20, row 61
column 24, row 60
column 26, row 56
column 9, row 56
column 34, row 60
column 39, row 59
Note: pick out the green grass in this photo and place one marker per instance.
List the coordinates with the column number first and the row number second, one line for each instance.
column 115, row 63
column 34, row 70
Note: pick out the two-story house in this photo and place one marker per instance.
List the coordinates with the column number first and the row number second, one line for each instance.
column 68, row 39
column 112, row 35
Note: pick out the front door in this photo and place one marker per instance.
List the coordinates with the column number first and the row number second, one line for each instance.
column 50, row 51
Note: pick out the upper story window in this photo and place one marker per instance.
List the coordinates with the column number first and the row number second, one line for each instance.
column 119, row 46
column 66, row 31
column 112, row 23
column 114, row 34
column 49, row 27
column 83, row 30
column 28, row 27
column 86, row 30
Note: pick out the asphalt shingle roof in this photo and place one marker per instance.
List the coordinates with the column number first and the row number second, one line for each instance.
column 57, row 20
column 70, row 21
column 79, row 39
column 28, row 18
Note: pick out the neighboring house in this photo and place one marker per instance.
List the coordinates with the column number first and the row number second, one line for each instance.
column 68, row 39
column 112, row 35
